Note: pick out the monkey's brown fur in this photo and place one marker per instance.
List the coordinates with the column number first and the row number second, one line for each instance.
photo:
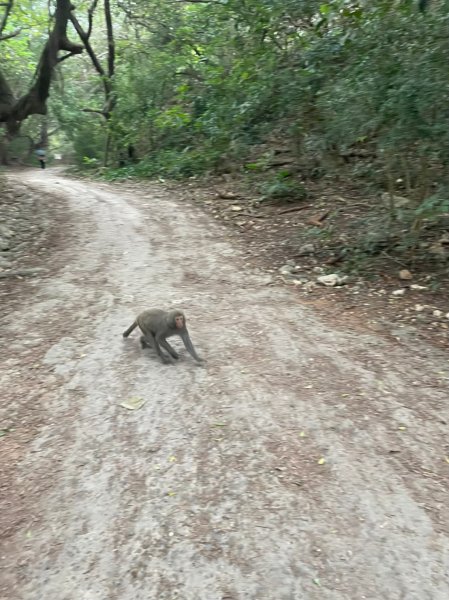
column 157, row 325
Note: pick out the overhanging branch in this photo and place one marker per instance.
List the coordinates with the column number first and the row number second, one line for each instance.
column 8, row 36
column 34, row 101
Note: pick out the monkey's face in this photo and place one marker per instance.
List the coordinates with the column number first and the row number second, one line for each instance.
column 179, row 321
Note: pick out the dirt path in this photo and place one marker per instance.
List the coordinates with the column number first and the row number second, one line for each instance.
column 300, row 463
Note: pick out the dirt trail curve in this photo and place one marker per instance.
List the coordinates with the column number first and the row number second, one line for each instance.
column 216, row 488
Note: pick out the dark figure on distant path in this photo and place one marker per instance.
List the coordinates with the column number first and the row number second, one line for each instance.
column 40, row 153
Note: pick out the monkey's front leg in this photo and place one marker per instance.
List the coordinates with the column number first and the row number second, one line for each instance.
column 157, row 346
column 189, row 347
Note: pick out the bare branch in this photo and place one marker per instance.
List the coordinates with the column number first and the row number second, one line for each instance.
column 95, row 111
column 90, row 16
column 90, row 51
column 8, row 36
column 106, row 77
column 199, row 2
column 65, row 57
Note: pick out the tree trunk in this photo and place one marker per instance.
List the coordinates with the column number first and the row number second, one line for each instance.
column 13, row 112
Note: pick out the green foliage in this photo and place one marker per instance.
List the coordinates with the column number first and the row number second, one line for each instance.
column 168, row 163
column 201, row 84
column 283, row 188
column 432, row 208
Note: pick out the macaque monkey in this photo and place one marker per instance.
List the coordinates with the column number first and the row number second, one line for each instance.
column 157, row 325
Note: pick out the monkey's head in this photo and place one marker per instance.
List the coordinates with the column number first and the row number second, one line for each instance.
column 177, row 319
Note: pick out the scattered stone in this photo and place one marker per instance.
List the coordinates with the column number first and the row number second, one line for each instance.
column 332, row 280
column 417, row 287
column 437, row 249
column 437, row 313
column 236, row 208
column 404, row 331
column 227, row 195
column 306, row 249
column 309, row 286
column 286, row 269
column 420, row 307
column 398, row 201
column 405, row 274
column 447, row 315
column 398, row 292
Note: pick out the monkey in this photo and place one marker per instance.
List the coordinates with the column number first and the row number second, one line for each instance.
column 157, row 325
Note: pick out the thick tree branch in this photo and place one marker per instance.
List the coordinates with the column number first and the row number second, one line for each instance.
column 95, row 111
column 65, row 57
column 84, row 37
column 105, row 76
column 6, row 97
column 110, row 34
column 34, row 101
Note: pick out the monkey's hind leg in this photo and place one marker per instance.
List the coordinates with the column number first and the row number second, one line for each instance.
column 147, row 341
column 169, row 349
column 130, row 329
column 166, row 359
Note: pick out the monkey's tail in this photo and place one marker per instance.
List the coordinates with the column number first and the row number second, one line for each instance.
column 130, row 329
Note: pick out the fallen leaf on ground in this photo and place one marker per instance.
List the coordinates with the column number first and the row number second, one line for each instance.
column 133, row 403
column 321, row 461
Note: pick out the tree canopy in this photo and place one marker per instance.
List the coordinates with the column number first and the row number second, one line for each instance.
column 187, row 86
